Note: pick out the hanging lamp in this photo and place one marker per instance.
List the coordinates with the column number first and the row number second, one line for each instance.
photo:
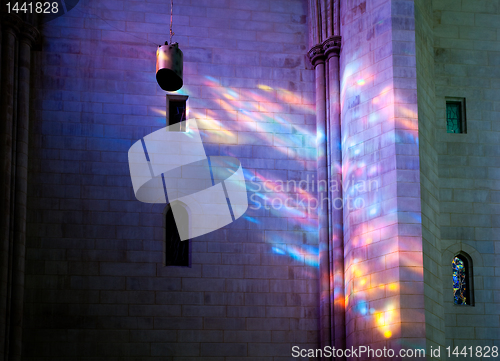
column 169, row 62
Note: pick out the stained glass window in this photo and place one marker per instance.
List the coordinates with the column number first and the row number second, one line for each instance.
column 454, row 117
column 461, row 281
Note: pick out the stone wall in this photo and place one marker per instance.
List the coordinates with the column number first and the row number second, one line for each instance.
column 429, row 179
column 96, row 285
column 383, row 238
column 467, row 64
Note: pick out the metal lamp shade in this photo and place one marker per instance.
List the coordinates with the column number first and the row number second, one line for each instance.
column 169, row 67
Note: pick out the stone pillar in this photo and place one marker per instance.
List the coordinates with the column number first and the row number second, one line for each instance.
column 324, row 35
column 317, row 58
column 331, row 48
column 385, row 303
column 17, row 38
column 1, row 24
column 10, row 28
column 28, row 36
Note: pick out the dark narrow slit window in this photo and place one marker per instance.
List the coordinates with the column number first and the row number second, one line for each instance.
column 455, row 115
column 176, row 112
column 176, row 251
column 462, row 280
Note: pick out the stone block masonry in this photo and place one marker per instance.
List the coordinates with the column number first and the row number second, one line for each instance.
column 429, row 175
column 372, row 114
column 468, row 163
column 383, row 239
column 96, row 286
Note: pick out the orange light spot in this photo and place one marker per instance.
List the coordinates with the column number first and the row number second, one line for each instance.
column 388, row 316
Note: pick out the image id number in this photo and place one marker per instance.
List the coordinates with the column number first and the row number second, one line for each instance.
column 39, row 8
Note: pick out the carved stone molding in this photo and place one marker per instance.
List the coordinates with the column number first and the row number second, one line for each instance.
column 331, row 46
column 316, row 55
column 29, row 33
column 12, row 22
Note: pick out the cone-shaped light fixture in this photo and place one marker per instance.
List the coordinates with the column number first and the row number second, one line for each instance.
column 169, row 67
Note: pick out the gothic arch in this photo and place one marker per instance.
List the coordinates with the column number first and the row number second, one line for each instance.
column 462, row 276
column 474, row 265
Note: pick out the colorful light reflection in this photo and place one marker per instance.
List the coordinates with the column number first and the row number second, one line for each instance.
column 269, row 116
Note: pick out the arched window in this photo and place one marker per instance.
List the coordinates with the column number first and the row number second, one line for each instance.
column 462, row 280
column 176, row 251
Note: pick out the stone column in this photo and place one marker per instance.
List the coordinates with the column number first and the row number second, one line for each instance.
column 317, row 58
column 1, row 24
column 331, row 48
column 11, row 25
column 28, row 36
column 324, row 35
